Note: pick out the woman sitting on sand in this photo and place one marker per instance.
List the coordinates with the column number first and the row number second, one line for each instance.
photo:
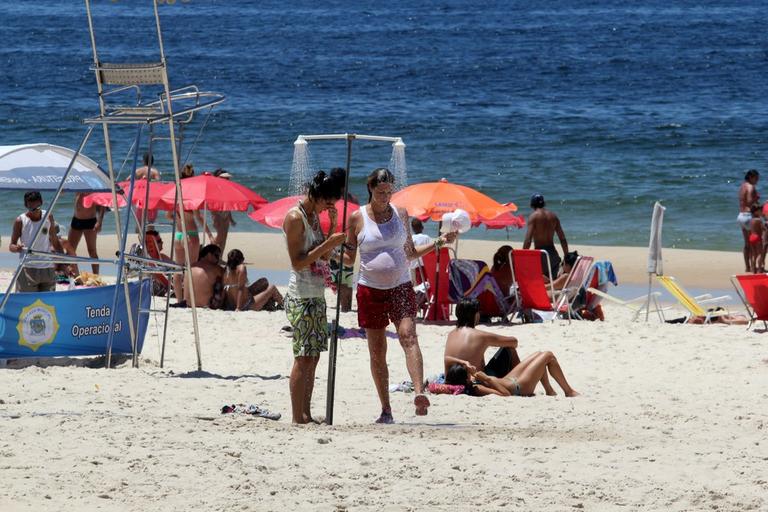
column 521, row 381
column 239, row 296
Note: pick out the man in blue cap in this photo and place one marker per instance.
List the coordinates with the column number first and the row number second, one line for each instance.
column 542, row 226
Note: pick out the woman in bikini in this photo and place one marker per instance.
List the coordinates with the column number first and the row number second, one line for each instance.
column 191, row 219
column 239, row 296
column 521, row 381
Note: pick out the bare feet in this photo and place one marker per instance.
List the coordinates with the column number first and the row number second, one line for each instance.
column 422, row 405
column 572, row 393
column 551, row 392
column 386, row 418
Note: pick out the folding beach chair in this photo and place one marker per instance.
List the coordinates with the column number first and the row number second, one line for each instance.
column 636, row 305
column 752, row 289
column 530, row 287
column 438, row 284
column 473, row 279
column 578, row 279
column 693, row 304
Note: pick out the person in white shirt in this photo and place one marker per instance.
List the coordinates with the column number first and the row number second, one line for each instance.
column 385, row 294
column 36, row 276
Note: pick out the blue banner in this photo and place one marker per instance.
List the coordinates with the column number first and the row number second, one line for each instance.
column 71, row 323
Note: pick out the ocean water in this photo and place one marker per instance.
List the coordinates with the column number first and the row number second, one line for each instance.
column 604, row 107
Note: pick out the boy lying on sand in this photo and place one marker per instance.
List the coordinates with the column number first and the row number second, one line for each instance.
column 464, row 357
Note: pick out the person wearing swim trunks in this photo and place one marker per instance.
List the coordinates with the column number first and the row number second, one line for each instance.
column 384, row 291
column 748, row 197
column 543, row 224
column 86, row 222
column 520, row 381
column 467, row 345
column 304, row 303
column 756, row 231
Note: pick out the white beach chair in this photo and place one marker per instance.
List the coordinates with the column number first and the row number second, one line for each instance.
column 636, row 305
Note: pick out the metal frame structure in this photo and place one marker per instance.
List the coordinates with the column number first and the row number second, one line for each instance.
column 349, row 138
column 174, row 108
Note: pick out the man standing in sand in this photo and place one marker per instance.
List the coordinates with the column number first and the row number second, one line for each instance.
column 748, row 197
column 36, row 276
column 86, row 222
column 542, row 226
column 466, row 346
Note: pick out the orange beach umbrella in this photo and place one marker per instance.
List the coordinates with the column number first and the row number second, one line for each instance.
column 433, row 199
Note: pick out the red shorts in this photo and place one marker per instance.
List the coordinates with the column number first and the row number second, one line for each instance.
column 376, row 308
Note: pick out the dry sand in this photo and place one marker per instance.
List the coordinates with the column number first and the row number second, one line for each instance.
column 672, row 417
column 701, row 269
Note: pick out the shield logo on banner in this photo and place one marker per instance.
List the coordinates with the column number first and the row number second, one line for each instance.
column 37, row 325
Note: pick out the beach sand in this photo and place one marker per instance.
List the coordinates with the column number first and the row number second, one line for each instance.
column 672, row 417
column 695, row 268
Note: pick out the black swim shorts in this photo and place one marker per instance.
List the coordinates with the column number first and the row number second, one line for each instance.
column 83, row 224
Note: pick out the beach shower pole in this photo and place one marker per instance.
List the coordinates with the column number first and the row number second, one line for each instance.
column 338, row 277
column 349, row 137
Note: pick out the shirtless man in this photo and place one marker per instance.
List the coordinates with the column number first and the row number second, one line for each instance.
column 86, row 222
column 542, row 226
column 466, row 346
column 141, row 172
column 206, row 271
column 748, row 197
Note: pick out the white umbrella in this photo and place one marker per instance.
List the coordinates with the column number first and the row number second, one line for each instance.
column 655, row 264
column 42, row 166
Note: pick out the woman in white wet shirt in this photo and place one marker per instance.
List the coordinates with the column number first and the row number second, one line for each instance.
column 385, row 294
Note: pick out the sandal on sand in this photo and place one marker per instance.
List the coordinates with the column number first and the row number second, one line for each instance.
column 385, row 418
column 422, row 405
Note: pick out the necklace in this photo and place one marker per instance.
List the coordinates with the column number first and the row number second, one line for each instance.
column 382, row 217
column 313, row 222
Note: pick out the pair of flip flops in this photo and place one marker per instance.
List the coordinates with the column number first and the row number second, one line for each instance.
column 253, row 410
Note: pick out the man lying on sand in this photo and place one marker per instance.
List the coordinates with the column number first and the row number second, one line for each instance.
column 466, row 346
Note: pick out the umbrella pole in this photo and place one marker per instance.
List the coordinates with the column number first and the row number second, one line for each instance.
column 205, row 220
column 335, row 325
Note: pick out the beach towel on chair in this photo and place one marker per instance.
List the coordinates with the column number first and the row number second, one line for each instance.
column 605, row 273
column 463, row 276
column 473, row 279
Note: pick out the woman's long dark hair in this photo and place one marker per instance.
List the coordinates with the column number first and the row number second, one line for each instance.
column 327, row 186
column 380, row 175
column 234, row 258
